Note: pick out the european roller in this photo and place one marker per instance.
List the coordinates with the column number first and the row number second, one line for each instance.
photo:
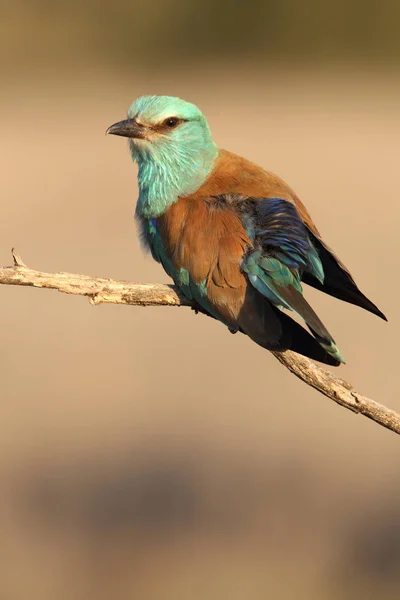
column 235, row 239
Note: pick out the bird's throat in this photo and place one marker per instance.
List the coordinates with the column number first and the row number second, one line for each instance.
column 161, row 182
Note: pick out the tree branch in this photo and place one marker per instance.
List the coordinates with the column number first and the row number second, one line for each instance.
column 100, row 290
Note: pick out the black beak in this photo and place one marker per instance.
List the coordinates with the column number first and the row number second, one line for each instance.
column 128, row 128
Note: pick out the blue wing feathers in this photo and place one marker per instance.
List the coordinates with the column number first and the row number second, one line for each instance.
column 282, row 252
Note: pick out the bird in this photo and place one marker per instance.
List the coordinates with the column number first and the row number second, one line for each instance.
column 235, row 239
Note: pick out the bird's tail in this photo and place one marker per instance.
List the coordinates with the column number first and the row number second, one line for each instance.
column 273, row 329
column 296, row 301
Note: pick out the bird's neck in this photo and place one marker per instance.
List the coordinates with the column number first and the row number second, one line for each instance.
column 163, row 181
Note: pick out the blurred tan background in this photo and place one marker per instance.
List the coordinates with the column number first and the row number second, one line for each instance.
column 147, row 453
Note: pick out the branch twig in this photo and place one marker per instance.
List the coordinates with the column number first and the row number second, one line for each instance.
column 101, row 290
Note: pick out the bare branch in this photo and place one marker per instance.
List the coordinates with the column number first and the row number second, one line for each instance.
column 100, row 290
column 97, row 289
column 338, row 389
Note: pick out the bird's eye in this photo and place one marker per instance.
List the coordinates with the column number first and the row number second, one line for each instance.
column 171, row 122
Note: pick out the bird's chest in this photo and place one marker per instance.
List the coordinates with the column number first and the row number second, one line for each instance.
column 183, row 240
column 201, row 247
column 157, row 238
column 194, row 235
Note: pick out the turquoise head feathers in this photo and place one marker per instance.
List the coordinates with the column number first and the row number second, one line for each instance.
column 171, row 141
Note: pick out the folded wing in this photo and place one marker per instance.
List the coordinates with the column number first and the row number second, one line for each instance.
column 338, row 281
column 282, row 252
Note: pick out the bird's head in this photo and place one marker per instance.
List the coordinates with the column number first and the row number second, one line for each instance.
column 165, row 128
column 172, row 144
